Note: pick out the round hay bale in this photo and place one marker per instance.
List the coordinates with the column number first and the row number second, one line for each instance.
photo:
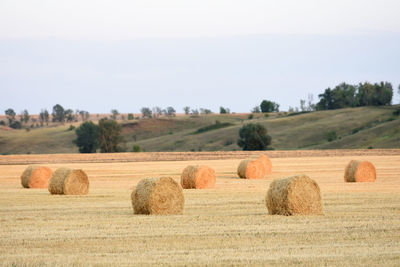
column 198, row 177
column 360, row 171
column 36, row 177
column 69, row 182
column 296, row 195
column 158, row 196
column 251, row 169
column 267, row 163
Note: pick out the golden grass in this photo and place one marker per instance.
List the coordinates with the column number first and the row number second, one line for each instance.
column 227, row 225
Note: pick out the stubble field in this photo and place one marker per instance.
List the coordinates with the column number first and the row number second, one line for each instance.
column 228, row 225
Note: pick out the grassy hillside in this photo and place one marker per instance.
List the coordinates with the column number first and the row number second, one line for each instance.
column 365, row 127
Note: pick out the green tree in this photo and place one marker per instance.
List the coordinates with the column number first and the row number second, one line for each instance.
column 186, row 110
column 130, row 116
column 69, row 115
column 10, row 113
column 110, row 136
column 256, row 109
column 222, row 110
column 114, row 114
column 87, row 137
column 25, row 116
column 84, row 115
column 146, row 112
column 269, row 106
column 43, row 116
column 58, row 113
column 170, row 111
column 253, row 136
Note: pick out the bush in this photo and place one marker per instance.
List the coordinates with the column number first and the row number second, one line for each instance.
column 71, row 127
column 211, row 127
column 253, row 136
column 2, row 123
column 130, row 116
column 250, row 117
column 330, row 136
column 16, row 125
column 137, row 148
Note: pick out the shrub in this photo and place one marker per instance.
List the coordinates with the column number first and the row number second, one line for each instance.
column 330, row 136
column 137, row 148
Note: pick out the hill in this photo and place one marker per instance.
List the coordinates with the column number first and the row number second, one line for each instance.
column 365, row 127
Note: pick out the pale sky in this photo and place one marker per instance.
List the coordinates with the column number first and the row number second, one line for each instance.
column 208, row 53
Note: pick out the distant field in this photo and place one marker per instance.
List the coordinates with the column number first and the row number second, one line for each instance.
column 353, row 128
column 228, row 225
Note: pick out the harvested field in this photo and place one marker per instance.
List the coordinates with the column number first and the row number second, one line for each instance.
column 226, row 225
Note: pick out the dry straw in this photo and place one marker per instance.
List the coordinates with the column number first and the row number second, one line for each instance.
column 251, row 169
column 296, row 195
column 158, row 196
column 360, row 171
column 198, row 177
column 69, row 182
column 36, row 177
column 267, row 163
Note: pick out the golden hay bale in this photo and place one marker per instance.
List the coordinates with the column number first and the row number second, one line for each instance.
column 296, row 195
column 251, row 169
column 267, row 163
column 158, row 196
column 36, row 177
column 359, row 171
column 198, row 177
column 69, row 182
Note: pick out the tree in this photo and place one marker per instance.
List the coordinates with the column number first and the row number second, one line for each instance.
column 114, row 113
column 256, row 109
column 10, row 113
column 84, row 115
column 253, row 136
column 310, row 105
column 222, row 110
column 170, row 112
column 205, row 111
column 43, row 116
column 87, row 137
column 269, row 106
column 187, row 109
column 398, row 90
column 157, row 111
column 69, row 115
column 302, row 105
column 195, row 112
column 146, row 112
column 58, row 113
column 130, row 116
column 110, row 136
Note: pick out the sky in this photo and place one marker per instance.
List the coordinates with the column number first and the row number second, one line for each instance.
column 103, row 55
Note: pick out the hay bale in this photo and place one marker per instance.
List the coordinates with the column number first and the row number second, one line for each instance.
column 69, row 182
column 296, row 195
column 198, row 177
column 158, row 196
column 36, row 177
column 267, row 163
column 360, row 171
column 251, row 169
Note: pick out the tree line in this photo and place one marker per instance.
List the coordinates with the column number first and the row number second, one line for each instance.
column 364, row 94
